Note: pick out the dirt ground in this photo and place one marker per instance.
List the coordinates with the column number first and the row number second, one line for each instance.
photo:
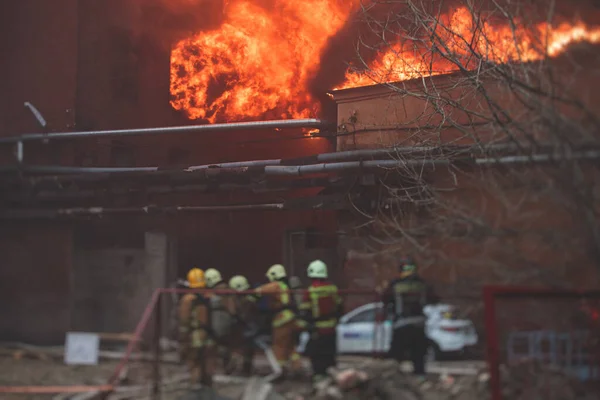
column 449, row 380
column 22, row 371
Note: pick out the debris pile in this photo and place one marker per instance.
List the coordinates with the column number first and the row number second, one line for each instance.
column 384, row 380
column 532, row 380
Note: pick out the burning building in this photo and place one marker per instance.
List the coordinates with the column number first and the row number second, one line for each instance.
column 118, row 65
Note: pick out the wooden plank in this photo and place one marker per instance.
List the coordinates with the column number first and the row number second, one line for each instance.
column 55, row 389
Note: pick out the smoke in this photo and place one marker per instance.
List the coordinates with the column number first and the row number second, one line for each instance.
column 168, row 21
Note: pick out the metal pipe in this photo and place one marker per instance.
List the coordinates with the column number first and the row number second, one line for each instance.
column 100, row 211
column 351, row 155
column 299, row 170
column 524, row 159
column 232, row 126
column 20, row 152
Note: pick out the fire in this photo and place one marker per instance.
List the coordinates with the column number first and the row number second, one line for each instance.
column 493, row 42
column 259, row 60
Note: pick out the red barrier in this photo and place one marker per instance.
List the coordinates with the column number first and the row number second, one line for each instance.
column 490, row 296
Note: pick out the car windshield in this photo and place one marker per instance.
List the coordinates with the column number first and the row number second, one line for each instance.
column 367, row 315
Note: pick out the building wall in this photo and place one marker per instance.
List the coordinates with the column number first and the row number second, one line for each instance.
column 413, row 112
column 550, row 246
column 35, row 282
column 39, row 52
column 39, row 63
column 112, row 286
column 98, row 64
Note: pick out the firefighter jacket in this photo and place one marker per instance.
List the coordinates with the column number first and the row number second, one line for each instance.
column 246, row 315
column 407, row 296
column 222, row 309
column 194, row 317
column 280, row 302
column 321, row 307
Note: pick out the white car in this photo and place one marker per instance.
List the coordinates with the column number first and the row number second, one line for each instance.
column 357, row 331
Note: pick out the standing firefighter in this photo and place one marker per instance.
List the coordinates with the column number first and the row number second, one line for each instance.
column 221, row 312
column 197, row 347
column 245, row 314
column 408, row 295
column 284, row 324
column 321, row 307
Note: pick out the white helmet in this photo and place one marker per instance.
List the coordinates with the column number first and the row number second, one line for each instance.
column 212, row 277
column 239, row 282
column 276, row 272
column 317, row 269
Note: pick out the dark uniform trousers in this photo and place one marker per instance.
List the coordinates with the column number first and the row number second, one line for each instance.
column 322, row 351
column 410, row 339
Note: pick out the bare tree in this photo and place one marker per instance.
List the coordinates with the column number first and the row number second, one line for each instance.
column 502, row 95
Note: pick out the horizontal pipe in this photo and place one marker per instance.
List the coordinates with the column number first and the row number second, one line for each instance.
column 534, row 158
column 350, row 155
column 232, row 126
column 301, row 203
column 58, row 193
column 92, row 211
column 300, row 170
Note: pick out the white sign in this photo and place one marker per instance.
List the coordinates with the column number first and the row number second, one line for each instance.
column 81, row 348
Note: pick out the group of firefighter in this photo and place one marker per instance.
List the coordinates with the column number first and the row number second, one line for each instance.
column 214, row 321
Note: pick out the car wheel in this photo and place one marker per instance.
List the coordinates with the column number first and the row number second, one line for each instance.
column 433, row 352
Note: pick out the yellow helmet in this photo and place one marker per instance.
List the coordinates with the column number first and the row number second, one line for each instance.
column 239, row 282
column 195, row 278
column 212, row 277
column 276, row 272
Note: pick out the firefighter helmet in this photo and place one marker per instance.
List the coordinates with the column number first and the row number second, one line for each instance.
column 195, row 278
column 276, row 272
column 212, row 277
column 407, row 268
column 239, row 282
column 317, row 270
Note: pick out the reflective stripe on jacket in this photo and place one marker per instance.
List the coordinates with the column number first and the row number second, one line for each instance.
column 280, row 303
column 194, row 315
column 322, row 305
column 286, row 314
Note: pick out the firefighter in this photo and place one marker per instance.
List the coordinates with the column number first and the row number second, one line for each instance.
column 197, row 347
column 321, row 308
column 406, row 296
column 284, row 325
column 222, row 309
column 245, row 314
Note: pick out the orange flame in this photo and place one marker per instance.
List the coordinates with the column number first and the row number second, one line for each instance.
column 259, row 60
column 492, row 42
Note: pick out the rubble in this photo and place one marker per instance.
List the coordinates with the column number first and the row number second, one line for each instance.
column 385, row 380
column 532, row 380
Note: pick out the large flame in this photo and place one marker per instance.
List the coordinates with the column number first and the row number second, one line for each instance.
column 259, row 60
column 465, row 43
